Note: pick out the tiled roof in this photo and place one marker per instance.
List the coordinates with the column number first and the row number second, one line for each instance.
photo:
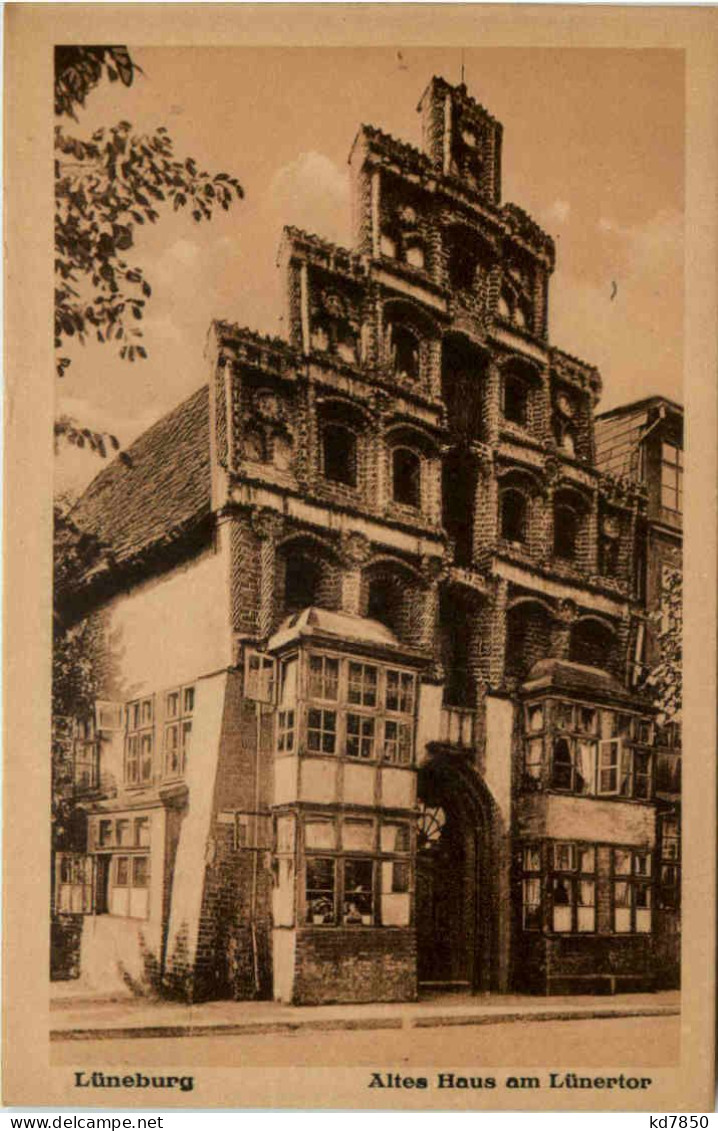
column 163, row 489
column 577, row 679
column 335, row 627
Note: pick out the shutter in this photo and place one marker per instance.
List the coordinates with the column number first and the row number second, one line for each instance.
column 109, row 715
column 259, row 676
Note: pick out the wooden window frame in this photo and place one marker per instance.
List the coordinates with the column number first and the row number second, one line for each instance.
column 635, row 882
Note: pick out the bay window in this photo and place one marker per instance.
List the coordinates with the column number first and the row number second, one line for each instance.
column 371, row 716
column 589, row 751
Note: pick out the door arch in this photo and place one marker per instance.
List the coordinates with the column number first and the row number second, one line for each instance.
column 454, row 883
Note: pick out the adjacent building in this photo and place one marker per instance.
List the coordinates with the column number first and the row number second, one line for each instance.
column 368, row 614
column 644, row 441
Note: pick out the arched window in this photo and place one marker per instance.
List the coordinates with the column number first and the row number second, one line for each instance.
column 406, row 477
column 383, row 604
column 513, row 515
column 516, row 394
column 565, row 532
column 302, row 581
column 339, row 454
column 462, row 266
column 404, row 351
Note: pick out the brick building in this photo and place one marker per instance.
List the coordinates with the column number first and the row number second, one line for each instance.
column 644, row 441
column 367, row 617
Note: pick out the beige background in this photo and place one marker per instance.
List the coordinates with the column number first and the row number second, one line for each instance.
column 31, row 30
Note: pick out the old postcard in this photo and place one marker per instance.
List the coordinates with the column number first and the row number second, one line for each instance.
column 345, row 559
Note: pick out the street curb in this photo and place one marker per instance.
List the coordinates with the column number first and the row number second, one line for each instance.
column 438, row 1021
column 559, row 1015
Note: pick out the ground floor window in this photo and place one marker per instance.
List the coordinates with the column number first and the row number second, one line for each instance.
column 562, row 881
column 573, row 887
column 632, row 891
column 357, row 872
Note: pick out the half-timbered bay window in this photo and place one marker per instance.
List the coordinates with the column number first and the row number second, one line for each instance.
column 179, row 708
column 573, row 887
column 632, row 891
column 357, row 871
column 348, row 708
column 140, row 741
column 581, row 749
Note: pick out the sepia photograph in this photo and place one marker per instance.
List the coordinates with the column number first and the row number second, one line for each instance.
column 364, row 710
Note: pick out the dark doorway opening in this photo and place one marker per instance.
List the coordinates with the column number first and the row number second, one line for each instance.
column 451, row 916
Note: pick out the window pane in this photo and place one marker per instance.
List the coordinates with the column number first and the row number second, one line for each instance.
column 399, row 691
column 621, row 863
column 562, row 772
column 585, row 767
column 395, row 909
column 122, row 832
column 564, row 857
column 188, row 700
column 643, row 921
column 623, row 919
column 173, row 704
column 586, row 919
column 561, row 918
column 358, row 895
column 122, row 871
column 532, row 904
column 586, row 859
column 140, row 871
column 320, row 890
column 360, row 736
column 532, row 858
column 534, row 757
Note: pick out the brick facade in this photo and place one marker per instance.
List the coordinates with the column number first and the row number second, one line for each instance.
column 416, row 459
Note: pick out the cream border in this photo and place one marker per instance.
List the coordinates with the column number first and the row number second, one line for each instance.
column 31, row 30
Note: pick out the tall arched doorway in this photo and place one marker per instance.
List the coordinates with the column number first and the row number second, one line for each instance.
column 453, row 881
